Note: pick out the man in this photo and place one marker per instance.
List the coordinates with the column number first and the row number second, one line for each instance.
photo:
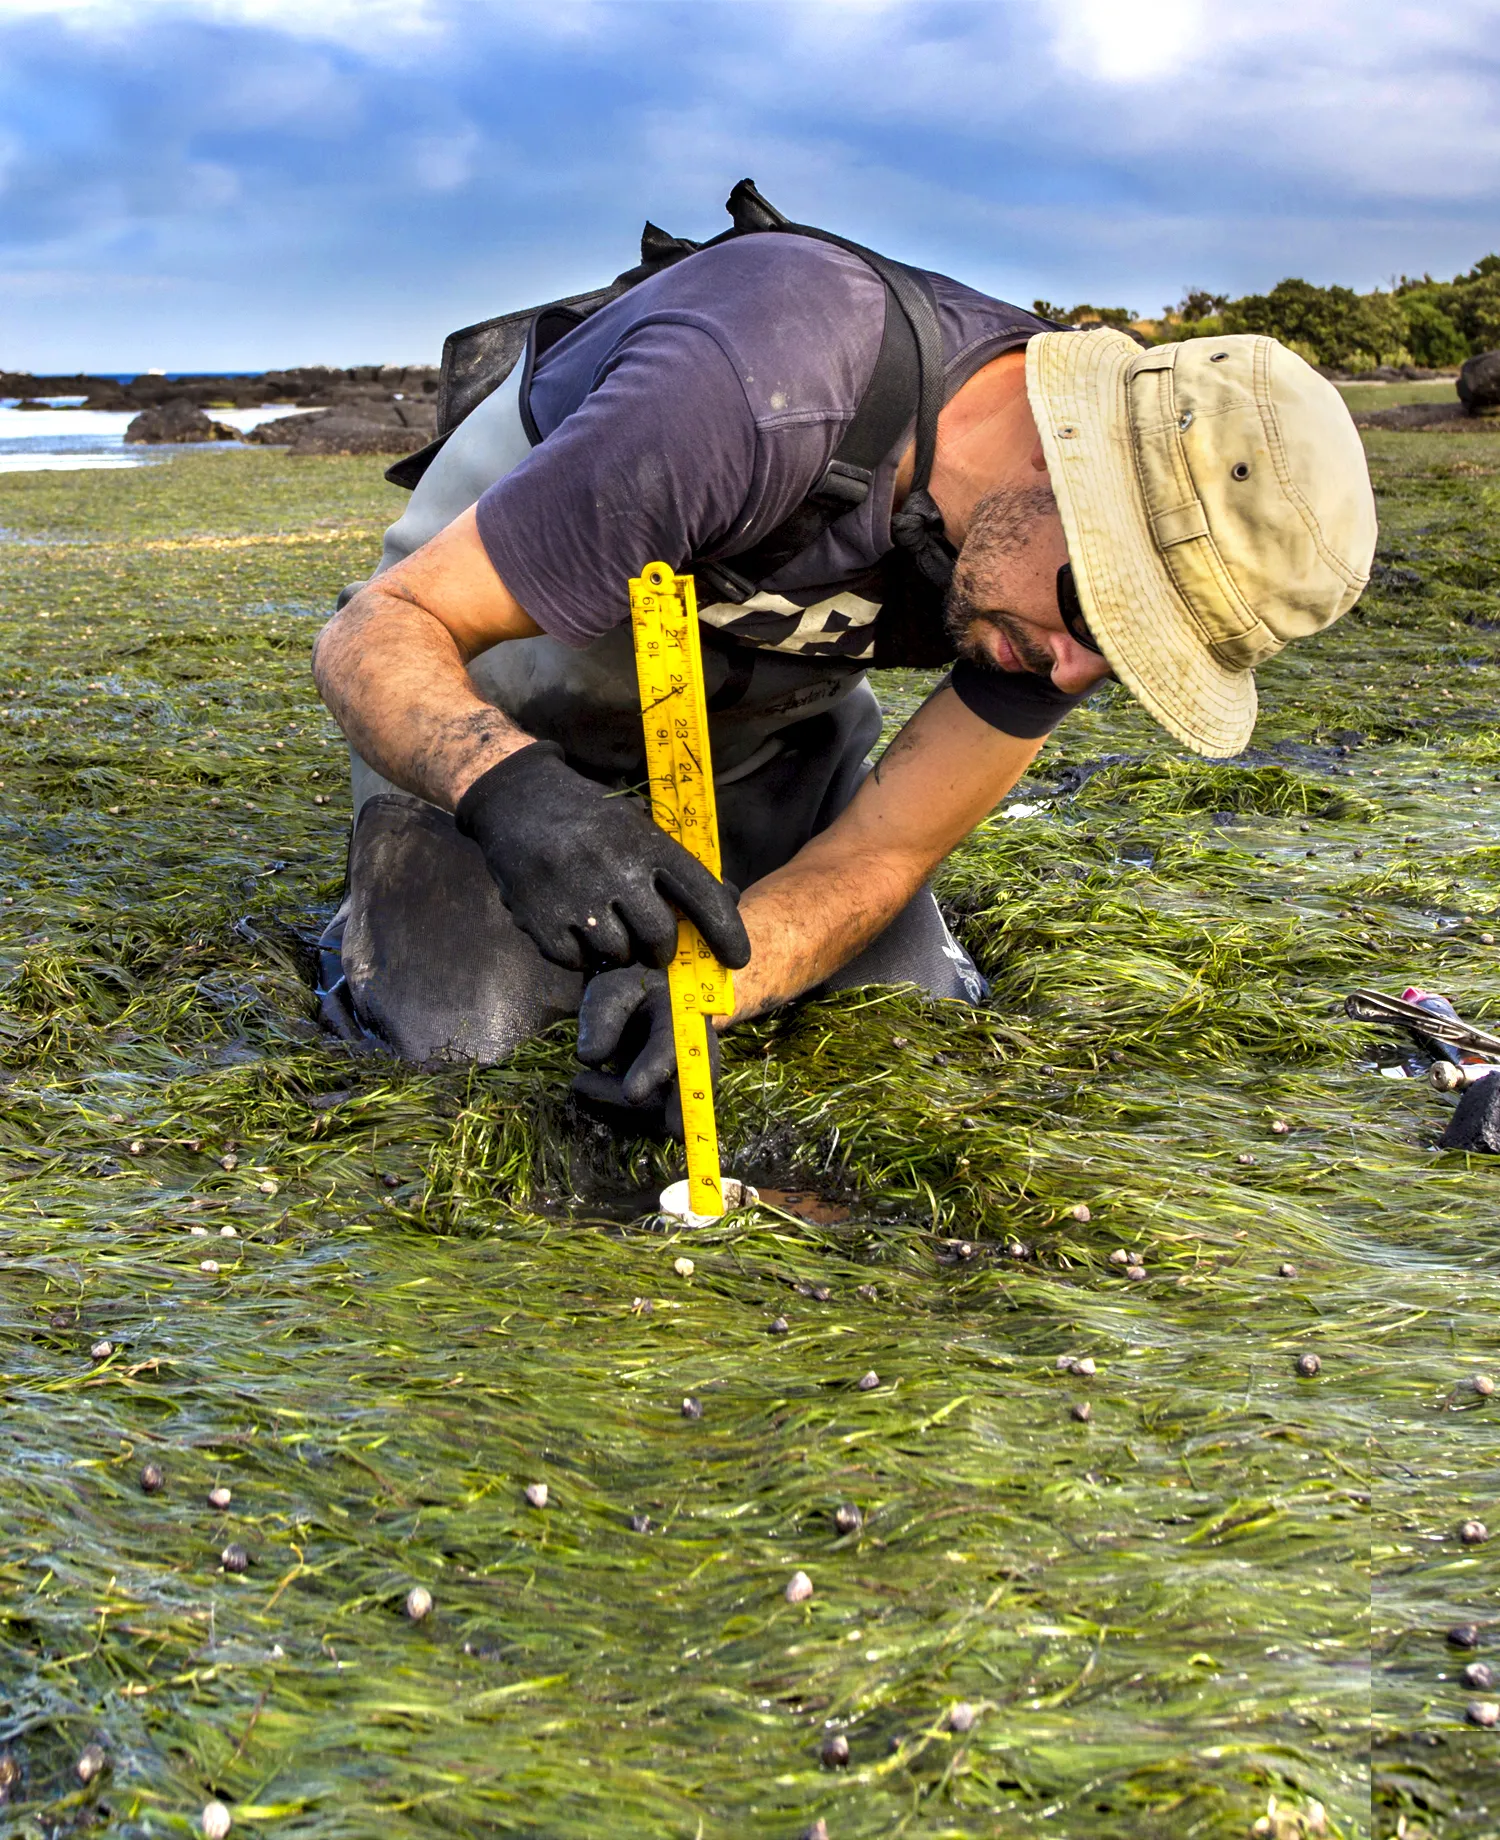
column 1169, row 516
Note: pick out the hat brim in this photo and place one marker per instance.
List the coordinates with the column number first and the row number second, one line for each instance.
column 1076, row 383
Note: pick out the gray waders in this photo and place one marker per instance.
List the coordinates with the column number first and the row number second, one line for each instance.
column 423, row 957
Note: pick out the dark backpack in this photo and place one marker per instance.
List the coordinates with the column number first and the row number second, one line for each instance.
column 905, row 388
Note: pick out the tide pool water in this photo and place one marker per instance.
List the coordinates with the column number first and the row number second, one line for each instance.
column 61, row 438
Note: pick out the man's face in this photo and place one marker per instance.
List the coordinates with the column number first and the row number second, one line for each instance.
column 1002, row 611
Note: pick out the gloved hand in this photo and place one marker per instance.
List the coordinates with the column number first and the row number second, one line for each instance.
column 626, row 1019
column 588, row 876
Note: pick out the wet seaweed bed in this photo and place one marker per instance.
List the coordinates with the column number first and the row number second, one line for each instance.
column 377, row 1303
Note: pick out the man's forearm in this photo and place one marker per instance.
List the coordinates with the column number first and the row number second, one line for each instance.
column 810, row 918
column 396, row 684
column 936, row 781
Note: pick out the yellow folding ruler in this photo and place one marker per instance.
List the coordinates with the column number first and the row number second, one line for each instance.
column 669, row 667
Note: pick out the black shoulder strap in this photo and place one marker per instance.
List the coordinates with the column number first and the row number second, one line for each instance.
column 905, row 385
column 884, row 410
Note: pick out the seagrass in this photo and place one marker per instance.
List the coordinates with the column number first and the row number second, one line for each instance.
column 1221, row 1600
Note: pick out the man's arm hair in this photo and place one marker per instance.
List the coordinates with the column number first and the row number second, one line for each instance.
column 943, row 773
column 392, row 666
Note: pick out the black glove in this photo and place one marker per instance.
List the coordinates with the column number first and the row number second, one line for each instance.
column 626, row 1019
column 588, row 876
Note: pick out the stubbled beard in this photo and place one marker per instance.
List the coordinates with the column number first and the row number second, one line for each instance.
column 1003, row 524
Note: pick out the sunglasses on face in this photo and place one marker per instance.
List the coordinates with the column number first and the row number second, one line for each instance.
column 1071, row 609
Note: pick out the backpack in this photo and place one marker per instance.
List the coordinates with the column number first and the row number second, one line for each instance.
column 905, row 388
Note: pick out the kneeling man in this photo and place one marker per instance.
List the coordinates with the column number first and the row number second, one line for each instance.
column 1061, row 506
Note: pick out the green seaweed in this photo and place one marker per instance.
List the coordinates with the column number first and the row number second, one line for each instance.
column 1219, row 1602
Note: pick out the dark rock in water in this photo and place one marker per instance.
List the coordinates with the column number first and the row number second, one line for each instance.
column 1476, row 1123
column 1479, row 383
column 1464, row 1635
column 153, row 1478
column 835, row 1752
column 366, row 425
column 1478, row 1674
column 177, row 421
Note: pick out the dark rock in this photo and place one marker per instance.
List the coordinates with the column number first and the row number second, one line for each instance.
column 1475, row 1125
column 1391, row 579
column 1464, row 1635
column 1413, row 418
column 835, row 1752
column 1479, row 383
column 177, row 421
column 356, row 430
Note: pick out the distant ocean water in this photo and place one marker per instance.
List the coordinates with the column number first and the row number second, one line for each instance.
column 66, row 438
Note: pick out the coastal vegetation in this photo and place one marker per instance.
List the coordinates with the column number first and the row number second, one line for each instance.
column 1420, row 322
column 1097, row 1554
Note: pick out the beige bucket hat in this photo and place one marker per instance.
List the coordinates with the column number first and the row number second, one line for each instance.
column 1216, row 505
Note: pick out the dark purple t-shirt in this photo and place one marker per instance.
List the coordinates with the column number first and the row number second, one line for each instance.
column 693, row 414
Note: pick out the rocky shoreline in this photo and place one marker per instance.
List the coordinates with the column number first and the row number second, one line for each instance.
column 392, row 409
column 367, row 409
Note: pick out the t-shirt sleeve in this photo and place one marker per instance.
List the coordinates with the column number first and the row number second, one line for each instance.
column 1020, row 703
column 657, row 463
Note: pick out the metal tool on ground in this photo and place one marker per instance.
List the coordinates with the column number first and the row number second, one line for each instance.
column 1464, row 1058
column 1439, row 1028
column 674, row 714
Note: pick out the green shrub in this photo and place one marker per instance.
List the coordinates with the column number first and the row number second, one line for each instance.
column 1431, row 336
column 1084, row 314
column 1352, row 331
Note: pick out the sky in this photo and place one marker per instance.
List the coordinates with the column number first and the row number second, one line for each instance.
column 238, row 184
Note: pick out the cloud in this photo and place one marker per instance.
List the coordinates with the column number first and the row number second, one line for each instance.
column 1128, row 44
column 352, row 179
column 361, row 23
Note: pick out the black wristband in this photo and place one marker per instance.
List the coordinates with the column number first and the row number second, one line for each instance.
column 1020, row 703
